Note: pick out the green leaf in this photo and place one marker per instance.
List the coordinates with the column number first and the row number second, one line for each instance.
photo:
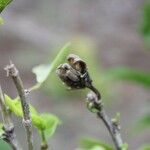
column 145, row 147
column 98, row 148
column 38, row 122
column 4, row 145
column 43, row 72
column 51, row 123
column 45, row 122
column 15, row 106
column 3, row 4
column 124, row 146
column 88, row 143
column 128, row 74
column 145, row 23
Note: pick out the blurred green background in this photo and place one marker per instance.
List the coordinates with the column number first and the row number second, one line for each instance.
column 111, row 36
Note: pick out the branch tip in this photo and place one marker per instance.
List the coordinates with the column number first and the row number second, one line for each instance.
column 75, row 75
column 13, row 72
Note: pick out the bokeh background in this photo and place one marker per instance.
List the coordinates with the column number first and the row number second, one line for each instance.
column 111, row 36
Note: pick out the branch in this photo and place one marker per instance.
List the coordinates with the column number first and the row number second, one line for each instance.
column 94, row 103
column 75, row 75
column 8, row 135
column 14, row 73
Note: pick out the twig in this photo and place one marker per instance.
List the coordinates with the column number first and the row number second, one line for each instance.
column 75, row 75
column 113, row 127
column 8, row 135
column 14, row 73
column 44, row 145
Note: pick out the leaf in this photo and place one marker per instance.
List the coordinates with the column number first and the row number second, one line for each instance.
column 51, row 123
column 124, row 146
column 145, row 147
column 4, row 145
column 43, row 72
column 129, row 74
column 98, row 148
column 15, row 106
column 46, row 122
column 145, row 23
column 38, row 122
column 3, row 4
column 88, row 143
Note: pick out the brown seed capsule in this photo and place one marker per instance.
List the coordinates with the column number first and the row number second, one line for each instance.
column 65, row 70
column 71, row 58
column 74, row 74
column 77, row 63
column 69, row 76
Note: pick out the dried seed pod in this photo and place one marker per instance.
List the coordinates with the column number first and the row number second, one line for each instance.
column 69, row 76
column 71, row 58
column 74, row 74
column 77, row 63
column 66, row 71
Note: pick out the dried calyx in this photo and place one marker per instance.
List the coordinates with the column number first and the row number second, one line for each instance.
column 77, row 63
column 74, row 73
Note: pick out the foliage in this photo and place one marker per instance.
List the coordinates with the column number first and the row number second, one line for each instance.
column 129, row 74
column 51, row 123
column 3, row 4
column 43, row 72
column 145, row 147
column 124, row 146
column 98, row 148
column 91, row 144
column 4, row 145
column 145, row 24
column 43, row 122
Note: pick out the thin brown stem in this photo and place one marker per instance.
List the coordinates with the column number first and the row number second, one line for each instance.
column 8, row 135
column 14, row 73
column 113, row 128
column 76, row 76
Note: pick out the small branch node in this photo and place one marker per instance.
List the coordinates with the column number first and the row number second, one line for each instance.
column 8, row 127
column 27, row 92
column 26, row 122
column 11, row 70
